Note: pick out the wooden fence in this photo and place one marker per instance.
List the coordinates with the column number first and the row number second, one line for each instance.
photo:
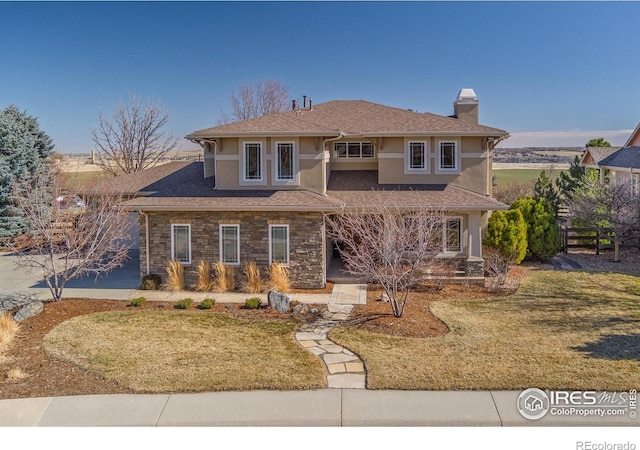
column 597, row 238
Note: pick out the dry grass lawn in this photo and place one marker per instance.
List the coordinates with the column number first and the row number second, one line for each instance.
column 160, row 351
column 561, row 330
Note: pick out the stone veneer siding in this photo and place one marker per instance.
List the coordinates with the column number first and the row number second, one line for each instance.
column 306, row 242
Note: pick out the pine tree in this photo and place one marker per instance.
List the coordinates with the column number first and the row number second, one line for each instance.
column 543, row 237
column 544, row 189
column 23, row 150
column 507, row 232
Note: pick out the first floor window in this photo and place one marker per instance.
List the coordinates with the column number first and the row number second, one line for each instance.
column 230, row 244
column 453, row 235
column 448, row 157
column 279, row 244
column 417, row 155
column 252, row 161
column 635, row 182
column 284, row 155
column 181, row 243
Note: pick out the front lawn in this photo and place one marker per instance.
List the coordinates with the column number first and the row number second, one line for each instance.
column 167, row 351
column 561, row 330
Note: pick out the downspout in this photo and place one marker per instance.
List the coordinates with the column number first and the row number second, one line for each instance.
column 324, row 165
column 146, row 240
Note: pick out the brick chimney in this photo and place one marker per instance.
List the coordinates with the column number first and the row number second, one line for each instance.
column 466, row 106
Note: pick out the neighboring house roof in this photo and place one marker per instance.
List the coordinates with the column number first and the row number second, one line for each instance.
column 634, row 139
column 351, row 118
column 360, row 189
column 593, row 155
column 624, row 158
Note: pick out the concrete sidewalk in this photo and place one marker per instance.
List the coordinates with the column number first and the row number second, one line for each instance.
column 328, row 407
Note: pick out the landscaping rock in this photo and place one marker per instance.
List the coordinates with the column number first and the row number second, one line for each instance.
column 298, row 308
column 279, row 301
column 9, row 302
column 29, row 310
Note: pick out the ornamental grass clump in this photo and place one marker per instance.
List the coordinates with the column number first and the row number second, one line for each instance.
column 224, row 277
column 8, row 330
column 175, row 278
column 279, row 277
column 253, row 284
column 204, row 282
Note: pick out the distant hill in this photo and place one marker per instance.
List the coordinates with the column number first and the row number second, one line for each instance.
column 541, row 155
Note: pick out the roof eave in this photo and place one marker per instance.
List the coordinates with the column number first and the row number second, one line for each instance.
column 197, row 137
column 289, row 208
column 434, row 133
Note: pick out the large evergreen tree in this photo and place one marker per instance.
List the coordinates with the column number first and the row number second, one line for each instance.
column 23, row 150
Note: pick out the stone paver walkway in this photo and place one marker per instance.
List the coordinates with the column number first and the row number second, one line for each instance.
column 345, row 370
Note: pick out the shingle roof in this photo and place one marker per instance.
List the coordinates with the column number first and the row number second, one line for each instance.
column 180, row 186
column 351, row 117
column 600, row 153
column 149, row 180
column 360, row 189
column 626, row 157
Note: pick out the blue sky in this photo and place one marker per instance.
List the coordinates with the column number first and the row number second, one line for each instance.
column 549, row 73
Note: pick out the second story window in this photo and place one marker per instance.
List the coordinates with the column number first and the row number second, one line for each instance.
column 252, row 161
column 417, row 156
column 284, row 161
column 353, row 150
column 448, row 158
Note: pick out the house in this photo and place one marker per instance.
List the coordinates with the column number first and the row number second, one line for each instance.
column 621, row 163
column 265, row 184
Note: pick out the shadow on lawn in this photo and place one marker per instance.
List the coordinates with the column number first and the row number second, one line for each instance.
column 613, row 346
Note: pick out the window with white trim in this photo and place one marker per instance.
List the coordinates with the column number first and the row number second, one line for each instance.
column 252, row 160
column 230, row 244
column 284, row 161
column 635, row 183
column 353, row 150
column 417, row 156
column 452, row 235
column 181, row 243
column 279, row 244
column 448, row 158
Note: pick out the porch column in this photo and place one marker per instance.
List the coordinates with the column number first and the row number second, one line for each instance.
column 474, row 247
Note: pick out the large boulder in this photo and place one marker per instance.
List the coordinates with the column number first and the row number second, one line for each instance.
column 29, row 310
column 279, row 301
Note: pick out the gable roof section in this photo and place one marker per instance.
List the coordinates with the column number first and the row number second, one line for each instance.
column 351, row 118
column 593, row 155
column 625, row 158
column 360, row 189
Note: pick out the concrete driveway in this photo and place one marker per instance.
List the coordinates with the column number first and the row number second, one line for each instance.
column 118, row 284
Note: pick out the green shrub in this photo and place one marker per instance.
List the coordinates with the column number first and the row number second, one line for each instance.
column 185, row 303
column 507, row 232
column 543, row 235
column 137, row 301
column 207, row 303
column 151, row 282
column 252, row 303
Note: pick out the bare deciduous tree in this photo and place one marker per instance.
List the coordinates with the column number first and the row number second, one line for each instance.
column 388, row 245
column 132, row 139
column 68, row 237
column 614, row 204
column 255, row 100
